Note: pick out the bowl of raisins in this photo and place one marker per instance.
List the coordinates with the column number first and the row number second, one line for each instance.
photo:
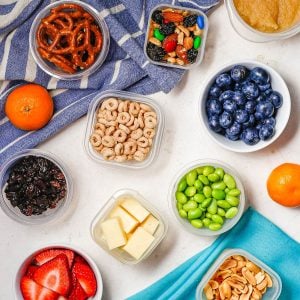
column 35, row 187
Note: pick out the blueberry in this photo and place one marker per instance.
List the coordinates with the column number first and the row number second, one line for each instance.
column 223, row 81
column 226, row 96
column 230, row 106
column 259, row 76
column 265, row 108
column 238, row 87
column 264, row 87
column 250, row 106
column 213, row 123
column 239, row 73
column 251, row 122
column 250, row 90
column 239, row 98
column 241, row 116
column 234, row 129
column 226, row 119
column 268, row 92
column 250, row 136
column 232, row 137
column 215, row 91
column 259, row 116
column 270, row 121
column 213, row 107
column 261, row 97
column 276, row 99
column 266, row 132
column 258, row 126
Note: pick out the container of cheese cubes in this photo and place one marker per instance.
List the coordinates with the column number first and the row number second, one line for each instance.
column 128, row 227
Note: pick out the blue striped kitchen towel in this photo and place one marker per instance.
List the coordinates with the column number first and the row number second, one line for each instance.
column 125, row 68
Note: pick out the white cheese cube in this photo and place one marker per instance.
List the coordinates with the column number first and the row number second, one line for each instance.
column 113, row 233
column 138, row 243
column 135, row 209
column 150, row 224
column 127, row 221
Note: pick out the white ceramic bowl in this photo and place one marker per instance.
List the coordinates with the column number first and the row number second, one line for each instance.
column 282, row 116
column 24, row 265
column 228, row 223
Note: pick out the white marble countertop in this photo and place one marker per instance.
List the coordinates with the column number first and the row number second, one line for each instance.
column 184, row 140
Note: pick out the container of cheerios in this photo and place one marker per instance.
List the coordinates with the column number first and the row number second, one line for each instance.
column 123, row 129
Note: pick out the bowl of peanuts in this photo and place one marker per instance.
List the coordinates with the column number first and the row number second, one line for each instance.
column 123, row 129
column 237, row 274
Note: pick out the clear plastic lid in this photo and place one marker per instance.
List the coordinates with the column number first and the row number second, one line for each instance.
column 91, row 118
column 103, row 214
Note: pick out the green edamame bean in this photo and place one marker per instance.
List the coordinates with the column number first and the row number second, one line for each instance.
column 231, row 213
column 233, row 201
column 227, row 190
column 213, row 207
column 198, row 185
column 219, row 185
column 221, row 212
column 191, row 204
column 223, row 204
column 182, row 213
column 191, row 177
column 234, row 192
column 208, row 170
column 190, row 191
column 208, row 215
column 218, row 194
column 220, row 172
column 158, row 34
column 194, row 213
column 179, row 205
column 197, row 223
column 217, row 219
column 206, row 203
column 229, row 181
column 203, row 179
column 200, row 170
column 202, row 216
column 181, row 185
column 206, row 222
column 199, row 198
column 207, row 191
column 214, row 226
column 213, row 177
column 181, row 197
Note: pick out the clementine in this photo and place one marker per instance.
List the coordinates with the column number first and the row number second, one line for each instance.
column 283, row 184
column 29, row 107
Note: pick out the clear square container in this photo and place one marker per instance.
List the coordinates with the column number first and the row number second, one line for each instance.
column 272, row 293
column 91, row 117
column 103, row 214
column 203, row 36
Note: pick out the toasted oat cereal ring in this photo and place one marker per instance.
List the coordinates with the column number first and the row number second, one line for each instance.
column 145, row 107
column 150, row 122
column 150, row 141
column 134, row 108
column 126, row 105
column 144, row 150
column 119, row 149
column 111, row 115
column 130, row 147
column 143, row 142
column 139, row 156
column 108, row 153
column 136, row 134
column 120, row 158
column 108, row 141
column 112, row 123
column 124, row 128
column 141, row 122
column 130, row 121
column 149, row 133
column 150, row 114
column 99, row 148
column 123, row 117
column 135, row 125
column 120, row 135
column 110, row 130
column 141, row 114
column 99, row 126
column 111, row 104
column 121, row 107
column 101, row 114
column 100, row 132
column 95, row 140
column 102, row 121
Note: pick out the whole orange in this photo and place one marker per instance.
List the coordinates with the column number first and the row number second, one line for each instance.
column 283, row 184
column 29, row 107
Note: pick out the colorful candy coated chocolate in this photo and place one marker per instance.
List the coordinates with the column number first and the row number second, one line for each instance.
column 197, row 42
column 200, row 22
column 157, row 34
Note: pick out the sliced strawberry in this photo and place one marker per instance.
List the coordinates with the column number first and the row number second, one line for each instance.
column 77, row 293
column 33, row 291
column 47, row 255
column 54, row 275
column 30, row 271
column 80, row 259
column 86, row 278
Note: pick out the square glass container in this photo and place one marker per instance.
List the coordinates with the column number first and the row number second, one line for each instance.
column 103, row 214
column 272, row 293
column 91, row 118
column 203, row 37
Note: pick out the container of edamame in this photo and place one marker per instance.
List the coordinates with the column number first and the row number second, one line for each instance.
column 207, row 197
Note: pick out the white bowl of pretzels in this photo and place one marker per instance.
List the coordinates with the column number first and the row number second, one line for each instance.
column 123, row 129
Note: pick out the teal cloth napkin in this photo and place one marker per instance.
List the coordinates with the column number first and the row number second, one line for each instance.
column 253, row 233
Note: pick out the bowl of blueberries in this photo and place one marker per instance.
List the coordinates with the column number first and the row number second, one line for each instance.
column 245, row 106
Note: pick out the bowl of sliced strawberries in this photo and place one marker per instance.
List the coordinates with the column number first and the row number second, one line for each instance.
column 58, row 272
